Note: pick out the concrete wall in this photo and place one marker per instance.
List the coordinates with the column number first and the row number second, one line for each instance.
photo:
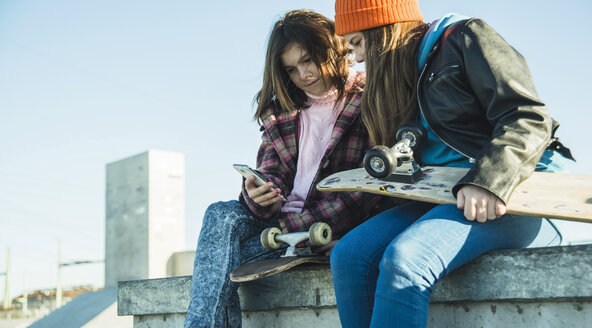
column 532, row 288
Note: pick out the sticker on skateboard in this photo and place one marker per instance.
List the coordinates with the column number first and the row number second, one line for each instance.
column 319, row 234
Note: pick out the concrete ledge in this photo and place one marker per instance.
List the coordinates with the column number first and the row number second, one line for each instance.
column 153, row 296
column 309, row 286
column 561, row 272
column 541, row 284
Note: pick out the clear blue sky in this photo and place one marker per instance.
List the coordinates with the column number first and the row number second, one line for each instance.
column 85, row 83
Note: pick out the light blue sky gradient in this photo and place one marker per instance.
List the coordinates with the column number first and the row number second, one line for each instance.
column 86, row 83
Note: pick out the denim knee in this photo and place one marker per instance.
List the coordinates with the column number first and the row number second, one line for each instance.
column 403, row 263
column 223, row 212
column 343, row 255
column 336, row 255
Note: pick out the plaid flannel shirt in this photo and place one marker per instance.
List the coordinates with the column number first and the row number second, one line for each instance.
column 277, row 160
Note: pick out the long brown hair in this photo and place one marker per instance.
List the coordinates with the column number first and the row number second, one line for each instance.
column 390, row 94
column 316, row 34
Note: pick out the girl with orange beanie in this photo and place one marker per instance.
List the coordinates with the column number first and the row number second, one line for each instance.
column 473, row 94
column 308, row 108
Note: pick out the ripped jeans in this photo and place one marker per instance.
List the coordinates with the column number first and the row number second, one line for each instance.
column 229, row 237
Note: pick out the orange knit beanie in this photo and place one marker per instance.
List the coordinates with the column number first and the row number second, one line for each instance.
column 358, row 15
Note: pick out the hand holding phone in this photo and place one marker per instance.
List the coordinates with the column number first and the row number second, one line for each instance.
column 265, row 199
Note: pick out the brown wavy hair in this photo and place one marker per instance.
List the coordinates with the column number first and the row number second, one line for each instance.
column 390, row 94
column 316, row 34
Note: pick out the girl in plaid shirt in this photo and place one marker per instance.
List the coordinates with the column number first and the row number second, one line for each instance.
column 308, row 109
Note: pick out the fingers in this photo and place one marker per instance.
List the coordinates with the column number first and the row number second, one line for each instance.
column 491, row 209
column 500, row 208
column 486, row 209
column 262, row 195
column 250, row 184
column 267, row 197
column 460, row 199
column 270, row 198
column 470, row 208
column 479, row 209
column 479, row 204
column 482, row 209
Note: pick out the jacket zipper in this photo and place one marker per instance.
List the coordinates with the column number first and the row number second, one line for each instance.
column 471, row 159
column 442, row 69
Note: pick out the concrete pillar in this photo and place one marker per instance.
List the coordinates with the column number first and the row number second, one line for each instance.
column 145, row 215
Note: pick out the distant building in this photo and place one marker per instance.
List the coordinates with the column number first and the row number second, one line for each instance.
column 145, row 215
column 41, row 302
column 38, row 304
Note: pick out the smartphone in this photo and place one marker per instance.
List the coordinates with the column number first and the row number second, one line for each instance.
column 246, row 172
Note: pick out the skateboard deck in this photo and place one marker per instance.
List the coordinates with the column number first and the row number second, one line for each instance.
column 262, row 269
column 549, row 195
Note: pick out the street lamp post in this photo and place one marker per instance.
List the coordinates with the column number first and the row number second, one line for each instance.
column 60, row 266
column 6, row 305
column 59, row 286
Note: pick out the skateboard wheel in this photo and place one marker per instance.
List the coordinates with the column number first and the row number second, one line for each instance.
column 320, row 234
column 268, row 238
column 380, row 161
column 415, row 133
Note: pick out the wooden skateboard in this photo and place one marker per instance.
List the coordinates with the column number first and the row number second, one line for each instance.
column 296, row 254
column 393, row 172
column 549, row 195
column 266, row 268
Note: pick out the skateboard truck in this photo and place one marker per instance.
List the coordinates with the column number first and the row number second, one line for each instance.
column 397, row 164
column 319, row 234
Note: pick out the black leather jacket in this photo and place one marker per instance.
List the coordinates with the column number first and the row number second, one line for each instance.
column 476, row 93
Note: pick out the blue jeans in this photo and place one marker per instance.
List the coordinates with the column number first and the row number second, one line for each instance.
column 229, row 237
column 385, row 269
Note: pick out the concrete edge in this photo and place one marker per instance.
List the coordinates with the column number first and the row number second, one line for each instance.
column 539, row 274
column 153, row 296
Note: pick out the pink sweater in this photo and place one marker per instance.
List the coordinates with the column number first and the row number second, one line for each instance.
column 316, row 126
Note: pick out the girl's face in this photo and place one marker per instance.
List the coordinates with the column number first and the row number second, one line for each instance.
column 358, row 43
column 302, row 70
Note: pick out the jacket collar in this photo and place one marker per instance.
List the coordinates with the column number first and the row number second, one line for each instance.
column 282, row 129
column 436, row 29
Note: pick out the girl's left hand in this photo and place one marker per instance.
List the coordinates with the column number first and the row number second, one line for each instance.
column 479, row 204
